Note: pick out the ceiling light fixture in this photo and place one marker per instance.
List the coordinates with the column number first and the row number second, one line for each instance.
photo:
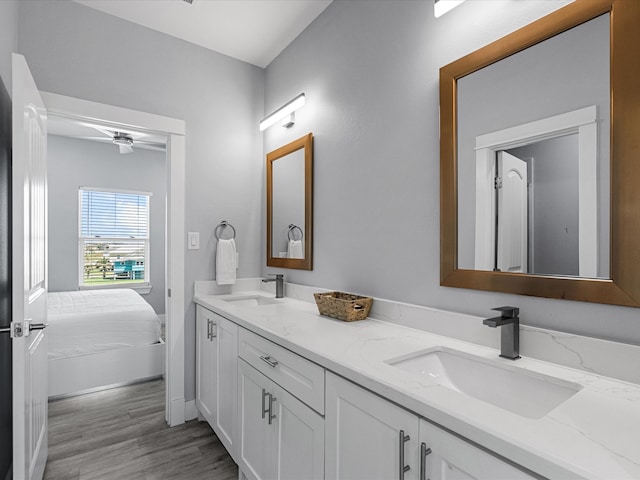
column 284, row 112
column 440, row 7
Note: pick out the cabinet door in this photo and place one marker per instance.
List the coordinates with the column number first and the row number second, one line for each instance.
column 226, row 374
column 255, row 434
column 298, row 439
column 363, row 435
column 205, row 358
column 452, row 458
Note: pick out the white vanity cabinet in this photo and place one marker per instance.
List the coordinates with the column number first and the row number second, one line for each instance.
column 216, row 375
column 281, row 437
column 444, row 456
column 369, row 438
column 205, row 361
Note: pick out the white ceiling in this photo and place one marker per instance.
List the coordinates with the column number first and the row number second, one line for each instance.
column 99, row 132
column 254, row 31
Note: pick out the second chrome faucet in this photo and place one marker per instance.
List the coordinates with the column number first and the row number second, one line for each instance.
column 509, row 324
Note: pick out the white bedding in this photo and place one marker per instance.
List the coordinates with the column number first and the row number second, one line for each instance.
column 90, row 321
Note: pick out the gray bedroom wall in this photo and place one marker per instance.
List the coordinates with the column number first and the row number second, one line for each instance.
column 370, row 73
column 74, row 163
column 8, row 38
column 77, row 51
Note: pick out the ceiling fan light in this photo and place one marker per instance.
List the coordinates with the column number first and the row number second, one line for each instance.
column 122, row 139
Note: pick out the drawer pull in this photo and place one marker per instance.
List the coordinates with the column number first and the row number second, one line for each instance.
column 269, row 361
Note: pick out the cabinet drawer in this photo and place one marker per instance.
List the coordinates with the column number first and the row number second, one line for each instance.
column 299, row 376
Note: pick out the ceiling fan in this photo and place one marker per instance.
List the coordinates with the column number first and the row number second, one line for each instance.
column 126, row 140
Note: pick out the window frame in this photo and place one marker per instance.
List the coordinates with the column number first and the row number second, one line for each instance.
column 142, row 287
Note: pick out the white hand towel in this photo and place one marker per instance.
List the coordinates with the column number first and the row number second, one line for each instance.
column 226, row 262
column 295, row 249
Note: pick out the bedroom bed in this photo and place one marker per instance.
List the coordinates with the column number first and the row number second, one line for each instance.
column 101, row 338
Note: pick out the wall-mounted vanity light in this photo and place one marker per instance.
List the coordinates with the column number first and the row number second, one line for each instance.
column 441, row 7
column 285, row 112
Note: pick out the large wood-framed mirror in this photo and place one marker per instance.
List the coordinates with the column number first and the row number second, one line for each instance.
column 290, row 205
column 606, row 217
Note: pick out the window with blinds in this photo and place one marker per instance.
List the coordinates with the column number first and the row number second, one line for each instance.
column 114, row 238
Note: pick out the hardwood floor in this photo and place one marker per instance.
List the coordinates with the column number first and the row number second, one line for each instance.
column 121, row 434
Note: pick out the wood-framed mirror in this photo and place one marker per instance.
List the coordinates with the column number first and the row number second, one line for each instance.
column 614, row 278
column 290, row 205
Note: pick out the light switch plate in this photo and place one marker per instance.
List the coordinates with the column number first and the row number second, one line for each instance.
column 193, row 240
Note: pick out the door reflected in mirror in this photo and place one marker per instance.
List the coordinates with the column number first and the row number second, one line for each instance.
column 289, row 205
column 533, row 158
column 578, row 61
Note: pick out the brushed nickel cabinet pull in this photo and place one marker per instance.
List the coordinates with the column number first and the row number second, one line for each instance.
column 403, row 468
column 272, row 415
column 424, row 453
column 269, row 361
column 265, row 410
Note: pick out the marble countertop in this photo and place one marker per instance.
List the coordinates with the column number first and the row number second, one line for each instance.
column 595, row 434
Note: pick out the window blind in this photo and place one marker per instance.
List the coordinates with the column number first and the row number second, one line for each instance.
column 114, row 215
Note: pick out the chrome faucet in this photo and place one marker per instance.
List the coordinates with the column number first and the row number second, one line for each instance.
column 510, row 333
column 279, row 284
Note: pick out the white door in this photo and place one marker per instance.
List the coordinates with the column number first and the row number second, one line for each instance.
column 512, row 214
column 29, row 272
column 367, row 437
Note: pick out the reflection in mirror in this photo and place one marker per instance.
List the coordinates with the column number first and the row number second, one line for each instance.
column 533, row 156
column 579, row 61
column 289, row 205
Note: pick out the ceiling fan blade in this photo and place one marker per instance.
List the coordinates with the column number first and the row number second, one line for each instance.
column 125, row 148
column 96, row 139
column 153, row 145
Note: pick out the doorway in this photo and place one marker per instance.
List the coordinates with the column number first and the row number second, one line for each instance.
column 174, row 132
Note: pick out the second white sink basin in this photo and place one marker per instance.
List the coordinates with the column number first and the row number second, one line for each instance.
column 520, row 391
column 251, row 300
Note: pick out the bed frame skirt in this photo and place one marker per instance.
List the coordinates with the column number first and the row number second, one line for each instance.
column 111, row 368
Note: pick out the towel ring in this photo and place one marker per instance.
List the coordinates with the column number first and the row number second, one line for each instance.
column 222, row 225
column 292, row 228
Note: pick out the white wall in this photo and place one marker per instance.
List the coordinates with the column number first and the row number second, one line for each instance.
column 74, row 163
column 77, row 51
column 370, row 73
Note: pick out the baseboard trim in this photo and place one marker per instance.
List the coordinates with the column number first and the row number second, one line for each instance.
column 190, row 410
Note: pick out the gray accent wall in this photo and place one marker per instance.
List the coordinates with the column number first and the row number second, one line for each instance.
column 80, row 52
column 370, row 73
column 74, row 163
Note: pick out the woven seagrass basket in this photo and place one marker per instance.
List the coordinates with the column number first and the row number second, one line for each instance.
column 343, row 306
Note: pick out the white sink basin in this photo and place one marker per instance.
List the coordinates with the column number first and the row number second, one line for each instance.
column 525, row 393
column 251, row 300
